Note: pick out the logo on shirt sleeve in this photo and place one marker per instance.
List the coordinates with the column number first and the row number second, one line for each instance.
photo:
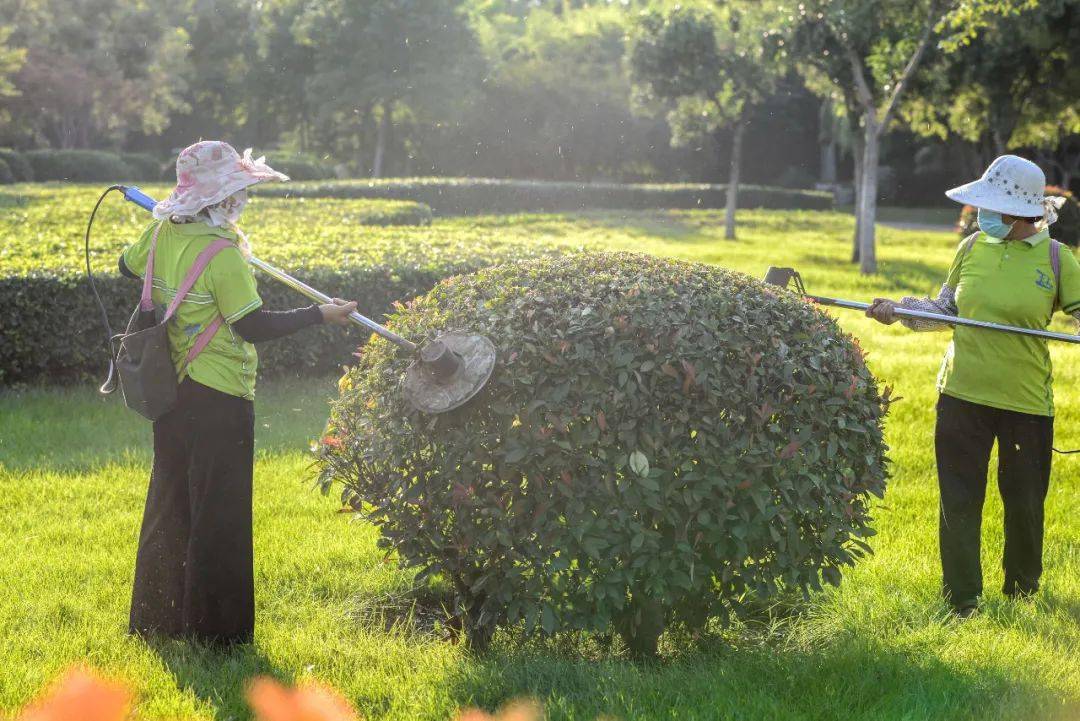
column 1043, row 280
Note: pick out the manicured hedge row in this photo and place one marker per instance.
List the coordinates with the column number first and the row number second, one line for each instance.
column 300, row 167
column 19, row 165
column 370, row 250
column 146, row 167
column 466, row 196
column 53, row 330
column 91, row 166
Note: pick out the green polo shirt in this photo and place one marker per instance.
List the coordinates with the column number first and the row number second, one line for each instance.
column 226, row 287
column 1011, row 282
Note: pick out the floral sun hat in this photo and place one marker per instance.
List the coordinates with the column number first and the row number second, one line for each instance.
column 1011, row 185
column 207, row 173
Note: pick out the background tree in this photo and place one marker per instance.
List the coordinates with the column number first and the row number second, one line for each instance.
column 92, row 83
column 882, row 44
column 556, row 98
column 383, row 59
column 1014, row 85
column 11, row 59
column 710, row 65
column 817, row 57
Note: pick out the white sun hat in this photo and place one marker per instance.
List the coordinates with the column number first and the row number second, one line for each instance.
column 1011, row 185
column 207, row 173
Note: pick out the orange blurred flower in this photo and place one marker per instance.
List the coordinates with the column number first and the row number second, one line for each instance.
column 310, row 702
column 514, row 711
column 80, row 695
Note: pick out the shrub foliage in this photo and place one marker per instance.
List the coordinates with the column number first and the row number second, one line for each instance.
column 301, row 167
column 1066, row 230
column 468, row 196
column 145, row 167
column 660, row 440
column 80, row 166
column 19, row 165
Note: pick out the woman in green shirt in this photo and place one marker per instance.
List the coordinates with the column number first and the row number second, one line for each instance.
column 193, row 573
column 997, row 386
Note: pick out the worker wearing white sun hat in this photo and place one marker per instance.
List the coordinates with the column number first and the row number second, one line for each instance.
column 997, row 386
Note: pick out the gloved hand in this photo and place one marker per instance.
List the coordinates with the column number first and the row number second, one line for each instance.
column 338, row 311
column 883, row 310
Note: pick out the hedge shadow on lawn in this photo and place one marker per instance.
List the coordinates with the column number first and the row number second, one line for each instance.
column 751, row 680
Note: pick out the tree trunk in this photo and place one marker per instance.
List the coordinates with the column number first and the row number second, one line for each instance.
column 1069, row 168
column 858, row 146
column 999, row 142
column 828, row 162
column 868, row 197
column 733, row 180
column 380, row 142
column 827, row 141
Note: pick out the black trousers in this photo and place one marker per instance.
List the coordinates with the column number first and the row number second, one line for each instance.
column 963, row 439
column 193, row 575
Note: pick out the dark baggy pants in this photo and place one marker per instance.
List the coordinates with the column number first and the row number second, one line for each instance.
column 193, row 575
column 964, row 436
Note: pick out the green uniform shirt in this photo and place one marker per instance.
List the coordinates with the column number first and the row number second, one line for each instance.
column 1011, row 282
column 226, row 287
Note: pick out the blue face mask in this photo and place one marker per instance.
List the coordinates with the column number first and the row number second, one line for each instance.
column 990, row 222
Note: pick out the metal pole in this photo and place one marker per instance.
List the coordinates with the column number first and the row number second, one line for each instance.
column 145, row 202
column 320, row 297
column 782, row 277
column 950, row 319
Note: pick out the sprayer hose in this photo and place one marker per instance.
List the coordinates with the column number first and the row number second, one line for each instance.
column 108, row 386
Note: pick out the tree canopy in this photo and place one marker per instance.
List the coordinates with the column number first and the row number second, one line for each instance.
column 562, row 89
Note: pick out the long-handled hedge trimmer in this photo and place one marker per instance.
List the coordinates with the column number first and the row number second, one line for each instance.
column 448, row 371
column 782, row 277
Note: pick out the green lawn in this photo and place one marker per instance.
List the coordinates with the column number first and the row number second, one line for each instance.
column 73, row 471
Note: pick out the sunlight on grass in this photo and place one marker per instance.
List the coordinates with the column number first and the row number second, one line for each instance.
column 74, row 466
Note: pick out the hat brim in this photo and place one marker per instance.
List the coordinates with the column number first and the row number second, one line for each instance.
column 192, row 201
column 981, row 194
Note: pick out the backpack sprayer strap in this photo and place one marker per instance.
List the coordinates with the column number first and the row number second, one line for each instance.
column 208, row 333
column 196, row 270
column 145, row 302
column 112, row 340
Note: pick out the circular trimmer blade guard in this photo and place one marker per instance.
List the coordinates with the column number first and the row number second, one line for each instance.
column 451, row 370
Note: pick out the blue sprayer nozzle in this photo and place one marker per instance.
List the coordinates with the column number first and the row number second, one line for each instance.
column 138, row 197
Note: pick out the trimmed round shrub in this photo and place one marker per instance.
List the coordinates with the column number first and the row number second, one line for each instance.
column 1066, row 230
column 6, row 176
column 661, row 443
column 19, row 166
column 79, row 166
